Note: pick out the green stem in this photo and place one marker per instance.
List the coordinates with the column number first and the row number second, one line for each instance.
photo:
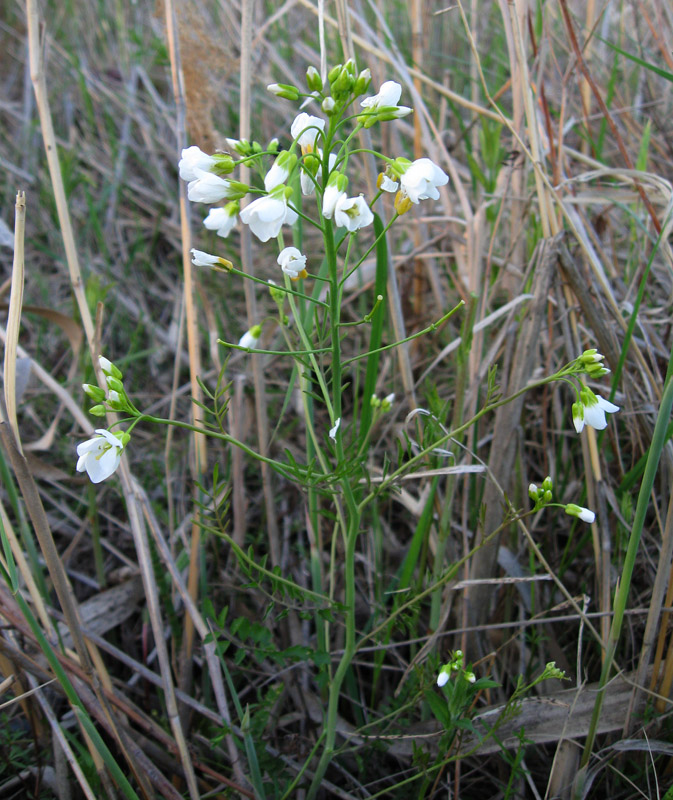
column 224, row 437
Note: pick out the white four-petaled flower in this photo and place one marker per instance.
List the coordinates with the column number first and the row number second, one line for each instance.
column 266, row 215
column 386, row 100
column 193, row 159
column 222, row 220
column 293, row 262
column 386, row 184
column 421, row 179
column 99, row 456
column 352, row 213
column 208, row 188
column 203, row 259
column 591, row 410
column 388, row 95
column 305, row 129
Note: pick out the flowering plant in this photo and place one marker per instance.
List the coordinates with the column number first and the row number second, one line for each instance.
column 338, row 418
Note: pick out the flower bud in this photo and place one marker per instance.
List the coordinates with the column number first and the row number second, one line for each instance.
column 334, row 73
column 224, row 164
column 108, row 367
column 387, row 402
column 277, row 294
column 313, row 80
column 94, row 392
column 283, row 90
column 328, row 105
column 402, row 203
column 98, row 411
column 114, row 384
column 116, row 400
column 362, row 82
column 585, row 514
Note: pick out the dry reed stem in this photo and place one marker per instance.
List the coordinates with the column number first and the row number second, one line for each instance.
column 14, row 315
column 193, row 342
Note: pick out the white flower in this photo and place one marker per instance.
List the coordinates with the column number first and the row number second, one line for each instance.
column 308, row 182
column 332, row 196
column 203, row 259
column 209, row 188
column 305, row 129
column 384, row 102
column 275, row 176
column 99, row 456
column 250, row 339
column 443, row 678
column 585, row 514
column 333, row 431
column 193, row 159
column 352, row 213
column 386, row 184
column 421, row 179
column 578, row 417
column 591, row 410
column 222, row 220
column 594, row 414
column 266, row 215
column 280, row 170
column 389, row 95
column 292, row 262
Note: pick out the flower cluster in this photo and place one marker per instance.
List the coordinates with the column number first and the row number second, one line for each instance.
column 542, row 497
column 321, row 169
column 590, row 409
column 455, row 665
column 318, row 151
column 100, row 456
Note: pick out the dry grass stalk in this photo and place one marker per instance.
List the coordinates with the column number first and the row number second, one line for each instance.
column 194, row 348
column 14, row 316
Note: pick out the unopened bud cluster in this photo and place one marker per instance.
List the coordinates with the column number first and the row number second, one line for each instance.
column 455, row 666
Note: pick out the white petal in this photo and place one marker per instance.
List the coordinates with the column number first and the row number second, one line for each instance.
column 333, row 431
column 586, row 515
column 606, row 405
column 595, row 417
